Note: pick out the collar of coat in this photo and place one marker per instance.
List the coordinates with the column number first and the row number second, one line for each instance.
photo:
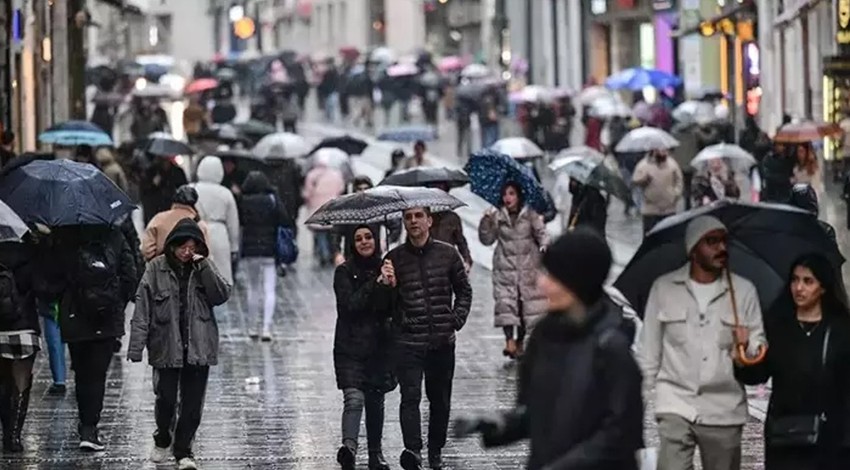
column 419, row 249
column 507, row 215
column 682, row 275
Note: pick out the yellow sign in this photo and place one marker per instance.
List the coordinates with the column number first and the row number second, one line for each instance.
column 244, row 28
column 843, row 34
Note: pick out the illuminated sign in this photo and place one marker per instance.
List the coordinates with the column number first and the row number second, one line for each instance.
column 842, row 36
column 244, row 28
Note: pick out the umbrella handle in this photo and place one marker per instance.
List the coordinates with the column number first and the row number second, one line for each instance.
column 574, row 220
column 740, row 349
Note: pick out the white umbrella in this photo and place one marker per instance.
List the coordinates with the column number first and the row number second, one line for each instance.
column 645, row 139
column 383, row 55
column 593, row 93
column 334, row 158
column 532, row 94
column 517, row 147
column 608, row 107
column 739, row 159
column 574, row 154
column 402, row 70
column 694, row 111
column 281, row 145
column 475, row 71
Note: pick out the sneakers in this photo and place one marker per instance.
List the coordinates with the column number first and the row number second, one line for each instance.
column 186, row 463
column 56, row 389
column 346, row 458
column 89, row 440
column 410, row 460
column 377, row 461
column 266, row 336
column 435, row 460
column 159, row 454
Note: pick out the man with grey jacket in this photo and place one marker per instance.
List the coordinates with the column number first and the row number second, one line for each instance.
column 686, row 352
column 661, row 180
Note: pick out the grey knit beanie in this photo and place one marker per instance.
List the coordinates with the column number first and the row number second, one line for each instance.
column 698, row 228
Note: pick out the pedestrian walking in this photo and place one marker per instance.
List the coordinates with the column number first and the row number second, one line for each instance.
column 101, row 280
column 397, row 157
column 715, row 182
column 363, row 291
column 489, row 116
column 158, row 186
column 589, row 207
column 19, row 337
column 196, row 118
column 174, row 320
column 433, row 301
column 448, row 227
column 7, row 147
column 105, row 158
column 808, row 361
column 322, row 183
column 579, row 398
column 689, row 325
column 520, row 235
column 216, row 206
column 261, row 213
column 50, row 286
column 418, row 158
column 157, row 230
column 661, row 181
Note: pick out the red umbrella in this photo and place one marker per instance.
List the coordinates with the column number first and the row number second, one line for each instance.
column 806, row 131
column 201, row 85
column 349, row 52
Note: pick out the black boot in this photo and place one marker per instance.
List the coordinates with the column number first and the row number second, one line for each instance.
column 435, row 460
column 410, row 460
column 6, row 417
column 346, row 457
column 377, row 461
column 19, row 406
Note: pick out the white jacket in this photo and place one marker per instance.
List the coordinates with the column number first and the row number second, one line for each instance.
column 688, row 358
column 217, row 207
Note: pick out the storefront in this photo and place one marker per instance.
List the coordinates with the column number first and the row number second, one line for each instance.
column 6, row 56
column 836, row 80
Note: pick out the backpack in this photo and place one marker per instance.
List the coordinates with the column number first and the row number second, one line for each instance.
column 9, row 296
column 96, row 280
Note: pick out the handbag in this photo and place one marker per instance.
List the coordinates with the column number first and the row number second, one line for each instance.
column 797, row 430
column 285, row 246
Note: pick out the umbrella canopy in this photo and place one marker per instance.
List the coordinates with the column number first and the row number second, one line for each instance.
column 239, row 154
column 408, row 134
column 255, row 128
column 451, row 63
column 381, row 203
column 739, row 159
column 348, row 144
column 64, row 192
column 12, row 227
column 806, row 131
column 226, row 133
column 281, row 145
column 201, row 85
column 402, row 70
column 764, row 241
column 489, row 171
column 609, row 107
column 475, row 71
column 592, row 171
column 153, row 91
column 694, row 111
column 532, row 94
column 425, row 176
column 474, row 91
column 72, row 133
column 645, row 139
column 382, row 55
column 592, row 93
column 166, row 146
column 638, row 78
column 579, row 151
column 517, row 147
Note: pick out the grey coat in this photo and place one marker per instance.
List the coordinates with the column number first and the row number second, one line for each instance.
column 156, row 321
column 515, row 263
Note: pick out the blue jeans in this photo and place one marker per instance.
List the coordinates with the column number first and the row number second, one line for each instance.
column 330, row 107
column 489, row 135
column 323, row 246
column 55, row 346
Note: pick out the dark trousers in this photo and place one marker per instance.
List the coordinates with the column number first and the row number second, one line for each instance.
column 191, row 382
column 437, row 366
column 355, row 400
column 650, row 221
column 90, row 361
column 15, row 384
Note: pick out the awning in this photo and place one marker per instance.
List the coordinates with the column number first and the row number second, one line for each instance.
column 746, row 7
column 797, row 10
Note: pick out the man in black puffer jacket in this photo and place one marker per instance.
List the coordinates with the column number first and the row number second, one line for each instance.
column 434, row 297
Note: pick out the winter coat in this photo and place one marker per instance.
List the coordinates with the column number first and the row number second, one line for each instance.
column 579, row 397
column 157, row 198
column 322, row 184
column 217, row 207
column 77, row 325
column 432, row 291
column 688, row 147
column 260, row 213
column 20, row 260
column 111, row 168
column 662, row 185
column 156, row 320
column 362, row 334
column 447, row 227
column 153, row 240
column 286, row 178
column 515, row 263
column 589, row 208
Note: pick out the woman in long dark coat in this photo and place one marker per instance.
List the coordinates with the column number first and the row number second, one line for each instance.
column 361, row 340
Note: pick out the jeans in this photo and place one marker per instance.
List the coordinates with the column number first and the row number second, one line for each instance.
column 330, row 107
column 354, row 401
column 90, row 361
column 437, row 365
column 719, row 446
column 191, row 382
column 53, row 341
column 489, row 134
column 323, row 246
column 261, row 272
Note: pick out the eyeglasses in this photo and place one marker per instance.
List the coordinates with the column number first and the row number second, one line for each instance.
column 714, row 240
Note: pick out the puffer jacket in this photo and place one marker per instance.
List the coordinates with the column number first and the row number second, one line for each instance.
column 433, row 293
column 261, row 212
column 19, row 258
column 322, row 184
column 515, row 263
column 156, row 323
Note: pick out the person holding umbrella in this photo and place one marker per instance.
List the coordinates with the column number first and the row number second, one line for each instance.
column 661, row 181
column 695, row 317
column 520, row 235
column 158, row 186
column 589, row 207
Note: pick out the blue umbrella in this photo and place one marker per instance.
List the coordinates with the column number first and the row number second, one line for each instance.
column 408, row 134
column 64, row 192
column 490, row 171
column 75, row 133
column 638, row 78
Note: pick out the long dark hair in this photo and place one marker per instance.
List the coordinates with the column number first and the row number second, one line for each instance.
column 832, row 301
column 518, row 190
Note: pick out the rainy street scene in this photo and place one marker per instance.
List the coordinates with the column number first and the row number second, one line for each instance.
column 424, row 234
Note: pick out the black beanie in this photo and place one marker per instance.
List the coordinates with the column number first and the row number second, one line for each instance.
column 580, row 260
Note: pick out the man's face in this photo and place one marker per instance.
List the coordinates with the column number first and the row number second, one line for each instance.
column 661, row 155
column 711, row 252
column 417, row 222
column 186, row 251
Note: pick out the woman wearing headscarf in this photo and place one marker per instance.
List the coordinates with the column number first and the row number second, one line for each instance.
column 157, row 230
column 808, row 425
column 363, row 297
column 322, row 183
column 520, row 236
column 217, row 207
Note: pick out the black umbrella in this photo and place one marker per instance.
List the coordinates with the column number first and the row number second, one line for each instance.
column 379, row 204
column 764, row 241
column 165, row 146
column 225, row 133
column 64, row 192
column 348, row 144
column 593, row 172
column 425, row 176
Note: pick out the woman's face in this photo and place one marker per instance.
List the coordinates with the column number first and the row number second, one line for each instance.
column 802, row 153
column 560, row 298
column 364, row 242
column 510, row 198
column 806, row 289
column 715, row 165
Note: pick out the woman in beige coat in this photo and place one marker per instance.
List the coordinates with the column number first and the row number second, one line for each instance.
column 520, row 236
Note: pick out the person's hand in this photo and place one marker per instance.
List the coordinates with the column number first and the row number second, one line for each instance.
column 467, row 267
column 741, row 335
column 388, row 273
column 197, row 258
column 339, row 259
column 492, row 211
column 157, row 179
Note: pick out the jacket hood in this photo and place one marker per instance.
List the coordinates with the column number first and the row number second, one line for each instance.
column 256, row 183
column 210, row 170
column 184, row 230
column 104, row 156
column 804, row 197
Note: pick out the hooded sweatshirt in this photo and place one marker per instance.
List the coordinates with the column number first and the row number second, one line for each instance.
column 217, row 207
column 186, row 229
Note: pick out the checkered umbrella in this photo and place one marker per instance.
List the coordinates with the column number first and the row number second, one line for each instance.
column 381, row 203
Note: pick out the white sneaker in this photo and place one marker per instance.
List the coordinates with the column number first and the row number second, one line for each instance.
column 186, row 463
column 159, row 454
